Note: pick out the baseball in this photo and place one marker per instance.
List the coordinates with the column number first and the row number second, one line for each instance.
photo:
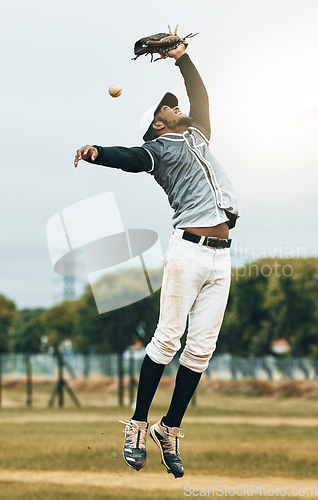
column 115, row 90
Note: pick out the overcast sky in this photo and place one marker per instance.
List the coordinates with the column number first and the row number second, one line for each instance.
column 258, row 59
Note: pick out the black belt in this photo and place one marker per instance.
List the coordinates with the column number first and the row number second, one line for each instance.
column 209, row 241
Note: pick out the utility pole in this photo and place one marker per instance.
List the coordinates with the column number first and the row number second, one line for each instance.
column 68, row 294
column 69, row 287
column 28, row 379
column 0, row 379
column 132, row 381
column 69, row 281
column 120, row 337
column 62, row 384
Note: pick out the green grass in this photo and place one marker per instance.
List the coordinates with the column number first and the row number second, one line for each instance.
column 80, row 441
column 240, row 450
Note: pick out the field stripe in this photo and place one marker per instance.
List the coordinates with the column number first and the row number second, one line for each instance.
column 308, row 422
column 87, row 418
column 147, row 481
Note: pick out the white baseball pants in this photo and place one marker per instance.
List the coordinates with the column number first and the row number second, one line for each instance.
column 195, row 284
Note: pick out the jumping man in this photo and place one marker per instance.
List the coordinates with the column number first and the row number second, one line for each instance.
column 197, row 263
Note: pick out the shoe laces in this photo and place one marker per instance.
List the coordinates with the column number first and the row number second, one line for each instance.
column 135, row 435
column 171, row 440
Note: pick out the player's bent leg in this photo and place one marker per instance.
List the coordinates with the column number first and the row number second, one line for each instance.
column 206, row 316
column 167, row 439
column 187, row 269
column 134, row 451
column 181, row 284
column 178, row 292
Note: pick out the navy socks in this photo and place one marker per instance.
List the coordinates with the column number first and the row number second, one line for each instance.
column 186, row 383
column 150, row 375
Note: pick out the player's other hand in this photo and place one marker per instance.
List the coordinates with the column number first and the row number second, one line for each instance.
column 84, row 153
column 178, row 52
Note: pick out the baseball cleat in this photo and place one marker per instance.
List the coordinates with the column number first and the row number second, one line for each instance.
column 167, row 439
column 134, row 451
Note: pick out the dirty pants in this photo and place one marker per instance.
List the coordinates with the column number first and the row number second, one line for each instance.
column 195, row 285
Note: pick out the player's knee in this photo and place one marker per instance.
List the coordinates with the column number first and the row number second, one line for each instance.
column 194, row 361
column 162, row 352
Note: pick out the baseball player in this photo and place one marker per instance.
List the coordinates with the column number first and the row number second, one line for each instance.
column 197, row 264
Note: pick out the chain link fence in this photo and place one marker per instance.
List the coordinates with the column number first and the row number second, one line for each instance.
column 221, row 367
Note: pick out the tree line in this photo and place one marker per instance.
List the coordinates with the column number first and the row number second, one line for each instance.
column 269, row 299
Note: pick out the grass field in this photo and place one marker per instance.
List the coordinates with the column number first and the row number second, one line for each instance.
column 229, row 441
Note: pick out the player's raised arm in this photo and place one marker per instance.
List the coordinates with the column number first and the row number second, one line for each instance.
column 197, row 93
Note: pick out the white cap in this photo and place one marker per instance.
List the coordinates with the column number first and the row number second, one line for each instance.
column 146, row 120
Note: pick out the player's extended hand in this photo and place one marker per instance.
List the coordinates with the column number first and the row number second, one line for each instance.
column 178, row 52
column 85, row 152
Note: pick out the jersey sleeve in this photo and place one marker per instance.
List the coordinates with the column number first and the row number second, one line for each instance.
column 154, row 150
column 135, row 159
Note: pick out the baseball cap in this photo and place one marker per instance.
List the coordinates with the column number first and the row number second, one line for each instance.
column 147, row 118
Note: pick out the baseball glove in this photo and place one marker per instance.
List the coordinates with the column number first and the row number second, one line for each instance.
column 161, row 44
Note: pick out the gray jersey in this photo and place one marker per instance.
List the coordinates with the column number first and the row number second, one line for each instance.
column 198, row 188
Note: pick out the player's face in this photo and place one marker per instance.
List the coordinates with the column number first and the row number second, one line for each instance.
column 171, row 115
column 171, row 120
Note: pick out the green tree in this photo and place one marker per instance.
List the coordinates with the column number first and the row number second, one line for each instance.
column 98, row 331
column 26, row 337
column 269, row 299
column 7, row 315
column 27, row 331
column 58, row 323
column 301, row 321
column 114, row 331
column 245, row 315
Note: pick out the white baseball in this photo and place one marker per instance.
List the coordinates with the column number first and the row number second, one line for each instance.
column 115, row 90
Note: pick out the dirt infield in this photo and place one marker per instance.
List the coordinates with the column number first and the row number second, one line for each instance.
column 159, row 482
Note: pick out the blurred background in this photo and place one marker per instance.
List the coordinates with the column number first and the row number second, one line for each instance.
column 258, row 400
column 259, row 63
